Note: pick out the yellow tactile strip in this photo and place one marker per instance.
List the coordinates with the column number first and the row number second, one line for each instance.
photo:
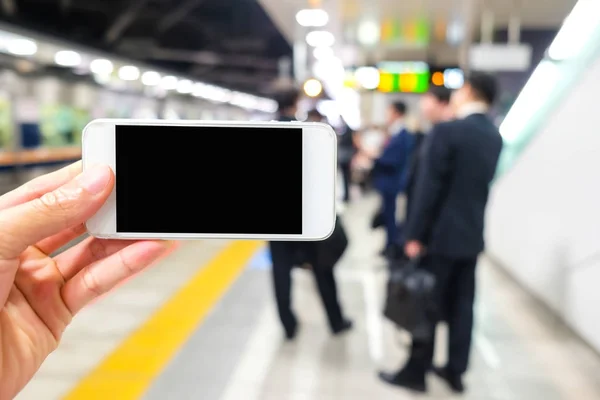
column 128, row 372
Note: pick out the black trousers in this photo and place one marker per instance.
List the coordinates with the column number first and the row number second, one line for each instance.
column 389, row 201
column 284, row 258
column 455, row 280
column 346, row 176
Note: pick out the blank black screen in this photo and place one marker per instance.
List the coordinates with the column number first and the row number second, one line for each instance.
column 205, row 180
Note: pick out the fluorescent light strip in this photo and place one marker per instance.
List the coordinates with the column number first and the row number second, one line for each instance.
column 532, row 97
column 577, row 30
column 101, row 68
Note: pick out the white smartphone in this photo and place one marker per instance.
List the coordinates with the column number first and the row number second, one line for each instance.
column 200, row 179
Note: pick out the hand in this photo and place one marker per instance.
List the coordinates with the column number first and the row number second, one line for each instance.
column 40, row 294
column 413, row 249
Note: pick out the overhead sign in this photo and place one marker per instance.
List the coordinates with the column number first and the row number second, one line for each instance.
column 405, row 77
column 390, row 77
column 405, row 32
column 500, row 57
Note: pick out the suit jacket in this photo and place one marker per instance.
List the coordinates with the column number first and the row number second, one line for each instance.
column 415, row 159
column 452, row 187
column 413, row 170
column 390, row 169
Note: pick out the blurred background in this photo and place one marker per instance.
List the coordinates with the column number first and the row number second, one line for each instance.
column 537, row 336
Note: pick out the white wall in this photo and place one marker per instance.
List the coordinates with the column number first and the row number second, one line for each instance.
column 544, row 214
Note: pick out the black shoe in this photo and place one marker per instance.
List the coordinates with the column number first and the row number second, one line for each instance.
column 404, row 380
column 453, row 380
column 378, row 221
column 344, row 327
column 290, row 333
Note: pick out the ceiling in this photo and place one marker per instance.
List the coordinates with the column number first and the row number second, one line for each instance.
column 534, row 14
column 232, row 43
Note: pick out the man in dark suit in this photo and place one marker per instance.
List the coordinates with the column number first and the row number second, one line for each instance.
column 435, row 108
column 390, row 173
column 446, row 225
column 286, row 255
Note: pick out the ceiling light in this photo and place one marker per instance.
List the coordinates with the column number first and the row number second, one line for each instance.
column 369, row 33
column 455, row 32
column 531, row 99
column 199, row 89
column 22, row 47
column 67, row 58
column 312, row 17
column 150, row 78
column 101, row 67
column 185, row 86
column 224, row 96
column 367, row 77
column 320, row 38
column 454, row 78
column 267, row 106
column 313, row 88
column 322, row 52
column 244, row 100
column 218, row 94
column 129, row 73
column 329, row 70
column 169, row 82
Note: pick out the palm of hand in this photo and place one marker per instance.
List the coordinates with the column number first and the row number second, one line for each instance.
column 48, row 291
column 32, row 320
column 39, row 294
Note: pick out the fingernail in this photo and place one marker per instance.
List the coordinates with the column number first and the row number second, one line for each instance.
column 95, row 179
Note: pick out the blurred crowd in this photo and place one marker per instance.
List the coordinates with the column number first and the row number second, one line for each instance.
column 443, row 172
column 440, row 159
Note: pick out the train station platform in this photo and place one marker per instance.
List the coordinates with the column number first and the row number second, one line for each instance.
column 202, row 324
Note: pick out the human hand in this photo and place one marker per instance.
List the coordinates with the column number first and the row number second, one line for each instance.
column 413, row 249
column 40, row 294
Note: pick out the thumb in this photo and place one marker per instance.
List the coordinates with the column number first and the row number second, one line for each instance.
column 66, row 207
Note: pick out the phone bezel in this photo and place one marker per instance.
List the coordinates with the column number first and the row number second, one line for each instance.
column 319, row 173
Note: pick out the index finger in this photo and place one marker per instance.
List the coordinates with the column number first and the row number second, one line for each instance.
column 39, row 186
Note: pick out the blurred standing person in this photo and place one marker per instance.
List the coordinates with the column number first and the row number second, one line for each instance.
column 315, row 116
column 435, row 108
column 346, row 152
column 446, row 225
column 286, row 255
column 389, row 173
column 369, row 143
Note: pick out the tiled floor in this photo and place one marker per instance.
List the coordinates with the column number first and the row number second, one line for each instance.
column 521, row 352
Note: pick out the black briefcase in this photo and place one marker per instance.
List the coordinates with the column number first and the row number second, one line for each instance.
column 410, row 302
column 329, row 251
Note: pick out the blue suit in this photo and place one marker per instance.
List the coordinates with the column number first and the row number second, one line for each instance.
column 390, row 174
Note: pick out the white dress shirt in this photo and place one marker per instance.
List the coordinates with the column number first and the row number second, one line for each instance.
column 472, row 108
column 396, row 127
